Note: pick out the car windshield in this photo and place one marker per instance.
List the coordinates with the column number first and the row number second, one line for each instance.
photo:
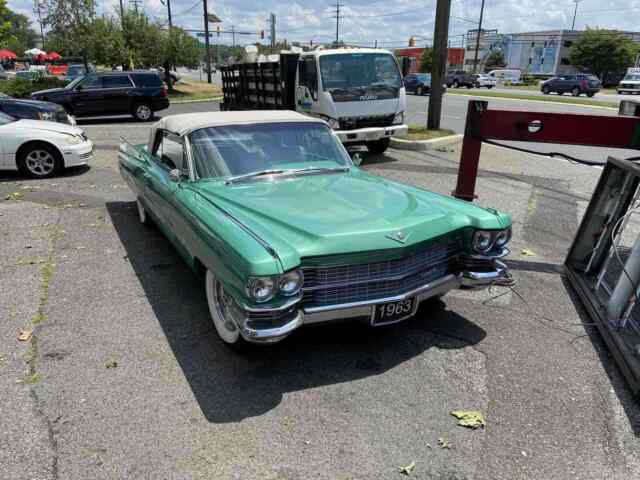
column 359, row 71
column 634, row 78
column 4, row 118
column 232, row 150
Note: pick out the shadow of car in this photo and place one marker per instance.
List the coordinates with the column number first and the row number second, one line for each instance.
column 230, row 387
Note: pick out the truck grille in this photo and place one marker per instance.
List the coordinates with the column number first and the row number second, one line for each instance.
column 360, row 282
column 353, row 123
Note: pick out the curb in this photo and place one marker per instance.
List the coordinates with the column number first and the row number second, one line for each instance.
column 571, row 104
column 422, row 145
column 178, row 102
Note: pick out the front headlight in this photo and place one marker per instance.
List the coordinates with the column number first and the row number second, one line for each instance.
column 333, row 123
column 45, row 115
column 482, row 241
column 503, row 237
column 261, row 289
column 290, row 283
column 73, row 140
column 398, row 119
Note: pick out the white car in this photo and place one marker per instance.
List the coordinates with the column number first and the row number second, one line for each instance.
column 39, row 148
column 482, row 80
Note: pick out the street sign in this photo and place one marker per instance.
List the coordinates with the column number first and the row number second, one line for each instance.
column 201, row 34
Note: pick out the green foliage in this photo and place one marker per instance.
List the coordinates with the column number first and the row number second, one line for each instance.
column 22, row 88
column 426, row 60
column 494, row 60
column 179, row 48
column 5, row 24
column 106, row 43
column 603, row 51
column 22, row 37
column 70, row 25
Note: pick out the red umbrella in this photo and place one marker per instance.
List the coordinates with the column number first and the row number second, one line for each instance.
column 53, row 56
column 40, row 58
column 7, row 54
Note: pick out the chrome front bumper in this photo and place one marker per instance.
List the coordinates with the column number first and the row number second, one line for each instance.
column 370, row 134
column 467, row 279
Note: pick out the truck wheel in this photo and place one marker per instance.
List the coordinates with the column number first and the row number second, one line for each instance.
column 40, row 160
column 590, row 94
column 378, row 146
column 575, row 91
column 142, row 112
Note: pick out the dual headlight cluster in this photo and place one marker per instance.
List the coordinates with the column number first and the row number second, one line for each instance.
column 263, row 289
column 485, row 240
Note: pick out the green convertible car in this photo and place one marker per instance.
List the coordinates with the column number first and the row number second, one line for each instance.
column 286, row 230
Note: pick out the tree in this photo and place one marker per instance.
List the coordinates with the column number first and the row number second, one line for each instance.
column 426, row 60
column 69, row 23
column 5, row 24
column 178, row 48
column 602, row 51
column 495, row 60
column 105, row 45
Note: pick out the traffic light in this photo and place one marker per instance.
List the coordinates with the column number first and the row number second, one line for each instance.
column 261, row 33
column 218, row 30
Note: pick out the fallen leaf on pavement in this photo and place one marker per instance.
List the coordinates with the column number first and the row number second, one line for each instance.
column 443, row 443
column 527, row 253
column 15, row 196
column 111, row 364
column 408, row 469
column 469, row 418
column 25, row 335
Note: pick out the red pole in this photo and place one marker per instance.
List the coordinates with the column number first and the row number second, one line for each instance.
column 470, row 156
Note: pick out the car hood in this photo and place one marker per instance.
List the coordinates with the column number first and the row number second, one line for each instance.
column 41, row 105
column 49, row 91
column 47, row 126
column 350, row 212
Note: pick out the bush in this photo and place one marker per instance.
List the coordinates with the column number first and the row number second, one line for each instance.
column 23, row 88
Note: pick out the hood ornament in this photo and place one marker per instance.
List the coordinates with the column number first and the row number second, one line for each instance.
column 398, row 236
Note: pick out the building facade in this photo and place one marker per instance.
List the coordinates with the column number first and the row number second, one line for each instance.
column 409, row 58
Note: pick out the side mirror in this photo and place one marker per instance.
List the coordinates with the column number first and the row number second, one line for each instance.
column 357, row 159
column 175, row 175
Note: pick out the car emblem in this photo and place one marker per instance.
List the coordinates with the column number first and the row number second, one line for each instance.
column 398, row 236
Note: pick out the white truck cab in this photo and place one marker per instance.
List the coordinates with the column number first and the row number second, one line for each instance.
column 631, row 81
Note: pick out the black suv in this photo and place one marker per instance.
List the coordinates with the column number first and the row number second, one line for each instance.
column 574, row 83
column 138, row 93
column 460, row 78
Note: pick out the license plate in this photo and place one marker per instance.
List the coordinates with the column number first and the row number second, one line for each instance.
column 393, row 311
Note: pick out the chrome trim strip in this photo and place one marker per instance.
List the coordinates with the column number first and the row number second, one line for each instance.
column 504, row 251
column 290, row 303
column 269, row 335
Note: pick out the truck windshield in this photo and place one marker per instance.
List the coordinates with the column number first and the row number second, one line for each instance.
column 635, row 78
column 360, row 74
column 232, row 150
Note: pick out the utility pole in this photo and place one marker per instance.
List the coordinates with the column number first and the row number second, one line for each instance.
column 136, row 4
column 337, row 17
column 233, row 35
column 440, row 35
column 475, row 55
column 575, row 12
column 206, row 40
column 169, row 14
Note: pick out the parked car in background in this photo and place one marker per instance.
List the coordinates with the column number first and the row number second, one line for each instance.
column 511, row 76
column 40, row 149
column 576, row 84
column 418, row 83
column 76, row 70
column 136, row 93
column 484, row 80
column 261, row 204
column 630, row 83
column 34, row 110
column 459, row 78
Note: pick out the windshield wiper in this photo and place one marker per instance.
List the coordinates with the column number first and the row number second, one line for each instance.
column 259, row 173
column 304, row 171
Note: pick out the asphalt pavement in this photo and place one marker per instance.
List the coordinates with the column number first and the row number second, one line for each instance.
column 124, row 377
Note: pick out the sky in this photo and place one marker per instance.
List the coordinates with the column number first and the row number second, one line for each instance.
column 389, row 22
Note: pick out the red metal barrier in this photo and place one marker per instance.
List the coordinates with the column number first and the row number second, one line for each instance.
column 562, row 128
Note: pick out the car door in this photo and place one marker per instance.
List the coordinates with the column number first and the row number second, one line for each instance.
column 87, row 97
column 116, row 90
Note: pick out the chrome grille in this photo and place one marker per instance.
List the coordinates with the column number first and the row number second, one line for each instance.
column 352, row 283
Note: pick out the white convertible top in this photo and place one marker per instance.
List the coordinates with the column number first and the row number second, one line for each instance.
column 186, row 122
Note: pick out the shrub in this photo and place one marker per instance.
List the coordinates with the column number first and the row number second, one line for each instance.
column 23, row 88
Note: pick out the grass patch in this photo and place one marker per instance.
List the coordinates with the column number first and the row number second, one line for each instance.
column 195, row 90
column 417, row 132
column 539, row 98
column 31, row 379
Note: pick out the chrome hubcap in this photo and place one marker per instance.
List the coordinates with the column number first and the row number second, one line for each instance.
column 143, row 112
column 40, row 162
